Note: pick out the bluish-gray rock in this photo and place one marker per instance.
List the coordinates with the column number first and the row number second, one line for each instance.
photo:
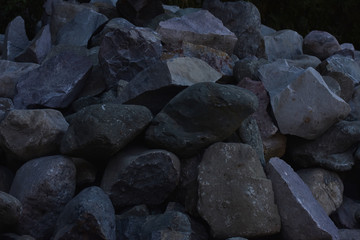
column 345, row 215
column 320, row 44
column 5, row 105
column 11, row 210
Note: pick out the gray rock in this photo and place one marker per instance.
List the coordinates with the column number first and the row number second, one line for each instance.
column 10, row 72
column 171, row 8
column 43, row 186
column 320, row 44
column 15, row 39
column 13, row 236
column 236, row 238
column 326, row 187
column 89, row 215
column 349, row 234
column 6, row 178
column 304, row 61
column 141, row 176
column 347, row 46
column 216, row 112
column 266, row 30
column 334, row 86
column 27, row 134
column 99, row 131
column 86, row 173
column 355, row 105
column 5, row 105
column 283, row 44
column 79, row 30
column 129, row 223
column 302, row 217
column 248, row 67
column 11, row 210
column 235, row 197
column 2, row 38
column 332, row 150
column 200, row 28
column 55, row 84
column 38, row 48
column 345, row 215
column 123, row 54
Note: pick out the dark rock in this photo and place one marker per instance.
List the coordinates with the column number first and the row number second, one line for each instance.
column 349, row 234
column 55, row 84
column 6, row 178
column 320, row 44
column 43, row 186
column 274, row 146
column 355, row 105
column 235, row 197
column 216, row 112
column 89, row 215
column 129, row 223
column 27, row 134
column 344, row 217
column 2, row 38
column 107, row 9
column 15, row 39
column 13, row 236
column 302, row 217
column 248, row 67
column 333, row 85
column 11, row 210
column 38, row 48
column 139, row 12
column 123, row 54
column 85, row 173
column 99, row 131
column 304, row 61
column 141, row 176
column 5, row 105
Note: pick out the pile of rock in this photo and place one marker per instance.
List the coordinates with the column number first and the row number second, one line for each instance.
column 131, row 119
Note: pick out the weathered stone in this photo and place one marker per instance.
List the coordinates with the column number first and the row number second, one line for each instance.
column 349, row 234
column 79, row 30
column 10, row 72
column 141, row 176
column 200, row 28
column 347, row 46
column 283, row 44
column 344, row 217
column 38, row 48
column 355, row 105
column 5, row 105
column 89, row 215
column 320, row 44
column 332, row 150
column 216, row 112
column 129, row 223
column 333, row 85
column 266, row 30
column 43, row 186
column 248, row 67
column 139, row 12
column 27, row 134
column 304, row 61
column 55, row 84
column 326, row 187
column 123, row 54
column 85, row 173
column 302, row 217
column 108, row 9
column 6, row 178
column 99, row 131
column 11, row 210
column 235, row 197
column 15, row 39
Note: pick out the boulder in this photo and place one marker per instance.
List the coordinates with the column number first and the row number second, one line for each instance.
column 89, row 215
column 27, row 134
column 201, row 28
column 13, row 236
column 129, row 223
column 216, row 112
column 86, row 173
column 248, row 67
column 43, row 186
column 320, row 44
column 141, row 176
column 55, row 84
column 235, row 197
column 304, row 61
column 354, row 103
column 302, row 217
column 349, row 234
column 345, row 215
column 99, row 131
column 5, row 105
column 266, row 30
column 11, row 210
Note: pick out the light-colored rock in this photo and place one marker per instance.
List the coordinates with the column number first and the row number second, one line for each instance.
column 320, row 44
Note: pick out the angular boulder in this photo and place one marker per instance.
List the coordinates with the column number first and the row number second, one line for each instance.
column 320, row 44
column 43, row 186
column 235, row 197
column 216, row 112
column 99, row 131
column 302, row 217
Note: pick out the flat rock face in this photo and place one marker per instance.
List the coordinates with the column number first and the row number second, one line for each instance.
column 216, row 112
column 294, row 198
column 43, row 186
column 235, row 197
column 88, row 215
column 16, row 39
column 55, row 84
column 200, row 28
column 320, row 44
column 99, row 131
column 27, row 134
column 141, row 176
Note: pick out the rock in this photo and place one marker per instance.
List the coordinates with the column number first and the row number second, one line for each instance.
column 141, row 176
column 6, row 178
column 79, row 30
column 320, row 44
column 43, row 186
column 200, row 28
column 13, row 236
column 334, row 86
column 274, row 146
column 326, row 187
column 246, row 25
column 345, row 215
column 283, row 44
column 349, row 46
column 236, row 238
column 38, row 48
column 349, row 234
column 248, row 67
column 298, row 100
column 139, row 12
column 266, row 30
column 15, row 40
column 2, row 38
column 123, row 54
column 354, row 103
column 235, row 197
column 107, row 9
column 304, row 61
column 27, row 134
column 5, row 105
column 89, row 214
column 55, row 84
column 99, row 131
column 332, row 150
column 85, row 173
column 216, row 112
column 11, row 210
column 10, row 72
column 171, row 8
column 129, row 223
column 294, row 197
